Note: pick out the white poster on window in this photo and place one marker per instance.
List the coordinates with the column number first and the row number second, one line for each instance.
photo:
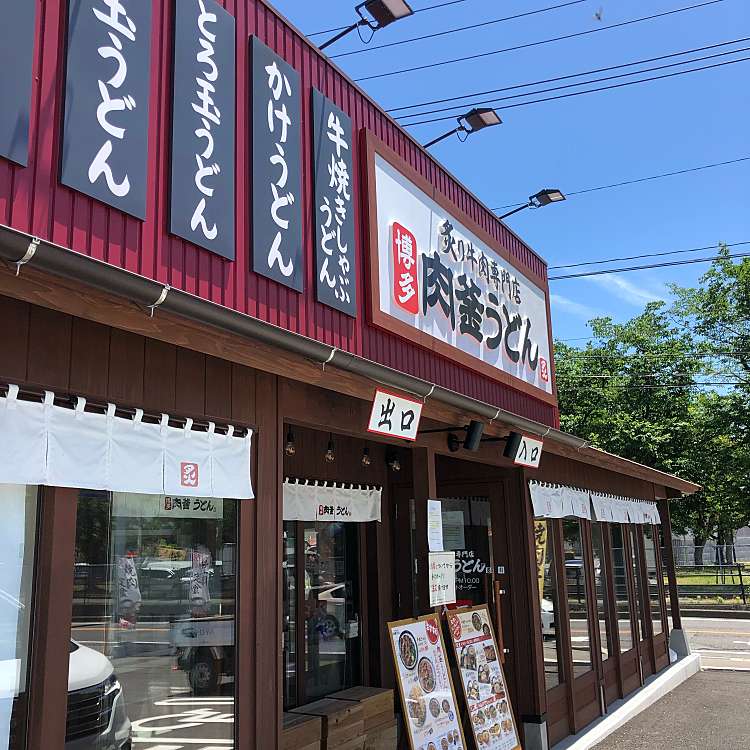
column 454, row 537
column 132, row 505
column 442, row 571
column 434, row 526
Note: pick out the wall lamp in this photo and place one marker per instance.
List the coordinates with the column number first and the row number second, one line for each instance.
column 541, row 199
column 375, row 14
column 471, row 441
column 472, row 122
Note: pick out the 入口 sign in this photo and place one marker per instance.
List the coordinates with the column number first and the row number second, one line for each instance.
column 396, row 416
column 524, row 450
column 438, row 277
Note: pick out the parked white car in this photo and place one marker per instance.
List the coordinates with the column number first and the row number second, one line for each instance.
column 548, row 619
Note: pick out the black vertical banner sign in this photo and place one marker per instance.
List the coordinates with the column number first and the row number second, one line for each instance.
column 277, row 168
column 202, row 201
column 105, row 139
column 335, row 259
column 16, row 53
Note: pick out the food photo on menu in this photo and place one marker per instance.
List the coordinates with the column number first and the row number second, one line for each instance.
column 482, row 680
column 424, row 681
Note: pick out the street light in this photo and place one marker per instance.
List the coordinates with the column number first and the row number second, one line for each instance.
column 541, row 199
column 475, row 119
column 375, row 14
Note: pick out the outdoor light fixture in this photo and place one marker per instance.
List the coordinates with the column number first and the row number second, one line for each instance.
column 366, row 460
column 472, row 122
column 290, row 449
column 330, row 455
column 375, row 14
column 471, row 442
column 392, row 460
column 541, row 199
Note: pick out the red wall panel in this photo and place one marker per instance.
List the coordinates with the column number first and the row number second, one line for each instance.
column 33, row 200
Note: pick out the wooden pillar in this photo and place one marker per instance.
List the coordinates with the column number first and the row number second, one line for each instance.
column 268, row 675
column 674, row 601
column 525, row 598
column 53, row 607
column 425, row 487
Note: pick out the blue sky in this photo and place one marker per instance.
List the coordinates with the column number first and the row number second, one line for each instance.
column 583, row 141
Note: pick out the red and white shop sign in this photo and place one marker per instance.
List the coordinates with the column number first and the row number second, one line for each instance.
column 405, row 280
column 524, row 450
column 395, row 416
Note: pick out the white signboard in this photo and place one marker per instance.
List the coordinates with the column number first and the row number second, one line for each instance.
column 396, row 416
column 442, row 578
column 483, row 679
column 423, row 675
column 524, row 450
column 132, row 505
column 438, row 277
column 434, row 526
column 312, row 502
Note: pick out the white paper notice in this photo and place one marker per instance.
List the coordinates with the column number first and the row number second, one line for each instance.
column 434, row 526
column 442, row 578
column 453, row 530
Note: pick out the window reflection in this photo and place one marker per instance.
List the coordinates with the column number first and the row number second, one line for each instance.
column 17, row 546
column 620, row 572
column 640, row 621
column 152, row 639
column 653, row 579
column 548, row 595
column 602, row 600
column 575, row 577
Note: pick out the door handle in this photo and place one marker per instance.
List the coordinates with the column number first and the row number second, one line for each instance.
column 499, row 591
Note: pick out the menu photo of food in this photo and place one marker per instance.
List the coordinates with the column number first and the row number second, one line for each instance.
column 483, row 680
column 427, row 694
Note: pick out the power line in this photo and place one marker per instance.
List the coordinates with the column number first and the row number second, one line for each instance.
column 590, row 91
column 458, row 29
column 539, row 42
column 653, row 69
column 650, row 265
column 417, row 10
column 569, row 194
column 644, row 255
column 565, row 77
column 637, row 386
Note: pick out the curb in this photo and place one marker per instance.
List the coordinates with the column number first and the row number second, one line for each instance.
column 728, row 614
column 621, row 711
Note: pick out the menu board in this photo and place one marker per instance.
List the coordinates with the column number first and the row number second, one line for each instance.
column 483, row 679
column 427, row 696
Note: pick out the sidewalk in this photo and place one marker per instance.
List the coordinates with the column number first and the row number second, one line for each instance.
column 709, row 711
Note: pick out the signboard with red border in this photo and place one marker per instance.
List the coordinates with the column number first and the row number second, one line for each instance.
column 395, row 415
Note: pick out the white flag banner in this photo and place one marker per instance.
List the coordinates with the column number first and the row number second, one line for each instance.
column 136, row 455
column 43, row 443
column 77, row 447
column 547, row 500
column 603, row 508
column 577, row 502
column 327, row 502
column 23, row 436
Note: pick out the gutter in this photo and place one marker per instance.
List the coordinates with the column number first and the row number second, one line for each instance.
column 21, row 249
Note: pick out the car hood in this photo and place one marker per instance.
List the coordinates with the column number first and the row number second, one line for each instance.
column 87, row 668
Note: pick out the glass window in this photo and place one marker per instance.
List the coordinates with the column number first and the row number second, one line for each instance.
column 548, row 595
column 467, row 530
column 289, row 567
column 602, row 599
column 575, row 577
column 331, row 608
column 152, row 639
column 17, row 546
column 620, row 575
column 665, row 567
column 652, row 572
column 640, row 627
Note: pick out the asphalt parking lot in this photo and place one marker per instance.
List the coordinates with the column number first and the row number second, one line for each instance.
column 710, row 711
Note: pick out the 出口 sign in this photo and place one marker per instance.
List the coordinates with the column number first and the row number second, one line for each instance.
column 394, row 415
column 436, row 276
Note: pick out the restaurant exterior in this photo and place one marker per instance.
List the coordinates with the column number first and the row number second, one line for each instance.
column 249, row 329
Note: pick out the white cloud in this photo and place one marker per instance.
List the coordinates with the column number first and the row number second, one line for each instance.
column 627, row 291
column 578, row 309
